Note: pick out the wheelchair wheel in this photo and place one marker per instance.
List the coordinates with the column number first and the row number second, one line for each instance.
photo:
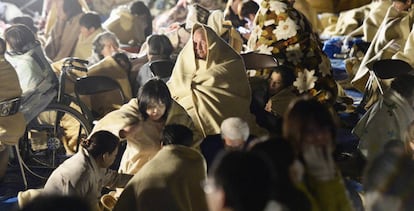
column 52, row 137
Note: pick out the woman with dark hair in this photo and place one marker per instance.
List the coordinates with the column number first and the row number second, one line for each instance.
column 281, row 91
column 141, row 122
column 310, row 127
column 36, row 77
column 130, row 23
column 87, row 172
column 65, row 32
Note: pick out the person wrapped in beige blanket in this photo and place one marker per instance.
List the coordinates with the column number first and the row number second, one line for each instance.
column 209, row 80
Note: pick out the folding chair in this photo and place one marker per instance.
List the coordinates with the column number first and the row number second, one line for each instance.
column 162, row 68
column 91, row 85
column 253, row 60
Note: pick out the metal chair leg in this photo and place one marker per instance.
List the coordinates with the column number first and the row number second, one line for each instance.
column 21, row 165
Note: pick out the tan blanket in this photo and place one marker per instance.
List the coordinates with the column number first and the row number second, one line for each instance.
column 63, row 38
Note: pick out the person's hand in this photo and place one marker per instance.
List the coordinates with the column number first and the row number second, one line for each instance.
column 319, row 162
column 268, row 106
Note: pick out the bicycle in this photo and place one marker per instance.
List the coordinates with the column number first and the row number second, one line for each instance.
column 60, row 120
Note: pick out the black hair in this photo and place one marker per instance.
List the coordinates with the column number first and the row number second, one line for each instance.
column 246, row 179
column 160, row 45
column 123, row 61
column 90, row 20
column 27, row 21
column 177, row 134
column 139, row 8
column 100, row 142
column 20, row 38
column 404, row 85
column 154, row 90
column 71, row 8
column 2, row 46
column 248, row 7
column 287, row 73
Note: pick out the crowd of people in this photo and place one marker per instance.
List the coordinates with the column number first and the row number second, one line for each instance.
column 202, row 132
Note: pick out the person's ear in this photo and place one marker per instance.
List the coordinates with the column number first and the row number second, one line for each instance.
column 105, row 157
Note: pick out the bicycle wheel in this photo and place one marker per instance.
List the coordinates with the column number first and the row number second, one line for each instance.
column 53, row 135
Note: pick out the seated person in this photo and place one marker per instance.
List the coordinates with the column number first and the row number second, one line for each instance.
column 12, row 122
column 171, row 180
column 362, row 21
column 235, row 134
column 392, row 113
column 131, row 24
column 209, row 80
column 287, row 36
column 36, row 77
column 85, row 173
column 271, row 97
column 65, row 32
column 281, row 90
column 90, row 27
column 388, row 40
column 141, row 122
column 159, row 48
column 106, row 44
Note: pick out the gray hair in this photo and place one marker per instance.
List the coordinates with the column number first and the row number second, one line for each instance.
column 98, row 42
column 235, row 128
